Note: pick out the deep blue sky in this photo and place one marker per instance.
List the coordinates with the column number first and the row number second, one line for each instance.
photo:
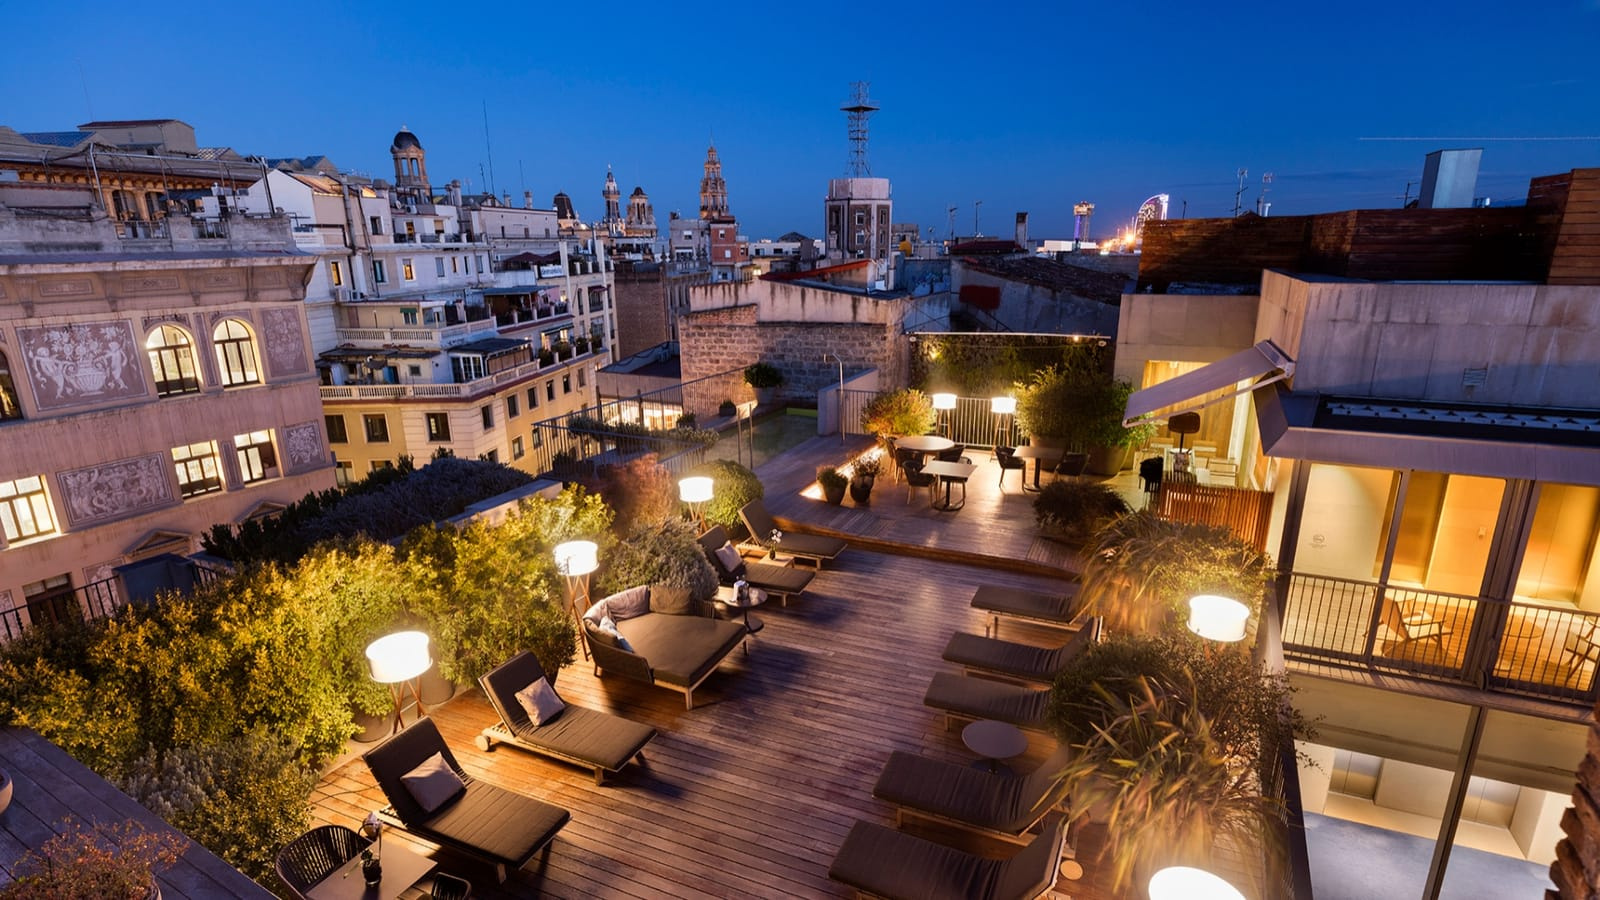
column 1023, row 106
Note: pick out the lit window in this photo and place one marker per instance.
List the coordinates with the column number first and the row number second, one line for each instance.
column 172, row 360
column 438, row 426
column 407, row 271
column 257, row 461
column 335, row 273
column 336, row 432
column 341, row 473
column 236, row 353
column 199, row 470
column 377, row 428
column 516, row 448
column 25, row 509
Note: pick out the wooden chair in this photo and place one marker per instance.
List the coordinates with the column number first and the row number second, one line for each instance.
column 1413, row 626
column 313, row 856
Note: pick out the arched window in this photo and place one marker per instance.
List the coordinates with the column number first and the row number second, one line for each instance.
column 236, row 353
column 172, row 361
column 10, row 407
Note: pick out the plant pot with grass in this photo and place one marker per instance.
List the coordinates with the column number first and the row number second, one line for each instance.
column 863, row 475
column 765, row 379
column 833, row 483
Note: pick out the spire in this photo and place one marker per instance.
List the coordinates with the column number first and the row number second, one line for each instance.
column 713, row 190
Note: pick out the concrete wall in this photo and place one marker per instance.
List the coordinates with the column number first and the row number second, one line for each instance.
column 1182, row 328
column 1030, row 308
column 779, row 301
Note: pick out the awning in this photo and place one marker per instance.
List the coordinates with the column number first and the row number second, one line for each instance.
column 1263, row 361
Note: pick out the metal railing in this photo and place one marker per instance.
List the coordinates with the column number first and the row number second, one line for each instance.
column 1509, row 646
column 971, row 423
column 95, row 600
column 451, row 390
column 1288, row 874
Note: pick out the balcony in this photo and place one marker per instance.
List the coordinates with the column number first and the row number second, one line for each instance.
column 449, row 391
column 417, row 335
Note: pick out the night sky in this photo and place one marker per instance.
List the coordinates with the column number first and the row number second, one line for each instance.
column 1022, row 106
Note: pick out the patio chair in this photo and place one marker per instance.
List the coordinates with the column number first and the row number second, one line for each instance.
column 1012, row 660
column 1007, row 459
column 882, row 862
column 1150, row 475
column 313, row 856
column 1055, row 610
column 813, row 547
column 777, row 580
column 961, row 696
column 953, row 454
column 583, row 737
column 1072, row 464
column 1002, row 805
column 480, row 819
column 1411, row 627
column 903, row 456
column 916, row 478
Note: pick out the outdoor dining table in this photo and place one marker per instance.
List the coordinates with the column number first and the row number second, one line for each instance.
column 948, row 472
column 924, row 443
column 1039, row 455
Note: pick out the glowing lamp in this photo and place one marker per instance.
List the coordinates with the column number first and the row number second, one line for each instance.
column 944, row 401
column 1218, row 618
column 399, row 657
column 695, row 489
column 1003, row 406
column 577, row 558
column 1188, row 883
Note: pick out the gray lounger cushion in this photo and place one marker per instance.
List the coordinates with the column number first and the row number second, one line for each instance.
column 1004, row 803
column 984, row 698
column 584, row 735
column 681, row 649
column 811, row 546
column 889, row 863
column 785, row 580
column 1011, row 658
column 1058, row 608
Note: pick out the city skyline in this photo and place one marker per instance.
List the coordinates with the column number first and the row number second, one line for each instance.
column 1028, row 112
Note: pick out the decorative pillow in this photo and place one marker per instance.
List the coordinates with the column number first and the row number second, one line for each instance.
column 600, row 610
column 539, row 700
column 610, row 628
column 433, row 784
column 624, row 605
column 730, row 559
column 671, row 600
column 593, row 630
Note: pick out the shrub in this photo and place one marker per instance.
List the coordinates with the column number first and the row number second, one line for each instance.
column 732, row 486
column 1142, row 570
column 761, row 375
column 687, row 420
column 1079, row 406
column 1077, row 509
column 638, row 491
column 831, row 479
column 668, row 553
column 242, row 798
column 93, row 862
column 905, row 411
column 869, row 465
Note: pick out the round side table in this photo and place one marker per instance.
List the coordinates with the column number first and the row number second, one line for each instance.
column 994, row 741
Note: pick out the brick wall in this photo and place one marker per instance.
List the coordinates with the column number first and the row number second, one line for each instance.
column 641, row 310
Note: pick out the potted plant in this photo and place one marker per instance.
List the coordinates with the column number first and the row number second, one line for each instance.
column 905, row 411
column 563, row 350
column 547, row 357
column 863, row 474
column 765, row 379
column 833, row 483
column 1109, row 442
column 727, row 409
column 95, row 862
column 582, row 345
column 1076, row 510
column 1049, row 408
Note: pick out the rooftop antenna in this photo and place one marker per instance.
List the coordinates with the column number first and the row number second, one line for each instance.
column 1405, row 199
column 1239, row 194
column 976, row 205
column 951, row 212
column 859, row 108
column 1262, row 206
column 487, row 146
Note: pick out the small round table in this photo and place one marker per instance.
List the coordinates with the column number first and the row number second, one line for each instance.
column 753, row 597
column 993, row 741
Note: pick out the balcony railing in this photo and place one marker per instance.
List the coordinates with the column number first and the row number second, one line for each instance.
column 1508, row 646
column 433, row 391
column 415, row 336
column 95, row 600
column 971, row 423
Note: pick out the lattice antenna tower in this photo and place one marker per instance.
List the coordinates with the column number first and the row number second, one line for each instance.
column 859, row 108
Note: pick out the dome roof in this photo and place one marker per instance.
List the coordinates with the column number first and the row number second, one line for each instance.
column 405, row 140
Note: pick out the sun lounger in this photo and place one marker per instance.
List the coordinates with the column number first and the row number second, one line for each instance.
column 585, row 737
column 677, row 650
column 776, row 580
column 813, row 547
column 886, row 863
column 480, row 819
column 1013, row 660
column 1058, row 610
column 1000, row 804
column 969, row 697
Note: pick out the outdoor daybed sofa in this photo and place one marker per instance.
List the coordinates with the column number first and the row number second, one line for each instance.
column 969, row 697
column 813, row 547
column 660, row 638
column 1001, row 804
column 782, row 581
column 1009, row 659
column 433, row 798
column 884, row 862
column 1054, row 610
column 585, row 737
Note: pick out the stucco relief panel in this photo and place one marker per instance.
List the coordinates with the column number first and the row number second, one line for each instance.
column 286, row 349
column 149, row 284
column 303, row 445
column 116, row 489
column 71, row 365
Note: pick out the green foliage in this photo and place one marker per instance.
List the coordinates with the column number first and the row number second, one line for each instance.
column 761, row 375
column 869, row 465
column 93, row 862
column 1077, row 510
column 987, row 365
column 665, row 553
column 385, row 505
column 687, row 420
column 831, row 479
column 242, row 798
column 1142, row 571
column 732, row 486
column 905, row 411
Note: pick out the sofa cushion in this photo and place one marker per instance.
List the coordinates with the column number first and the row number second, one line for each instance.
column 433, row 784
column 592, row 629
column 539, row 700
column 600, row 609
column 609, row 627
column 682, row 649
column 671, row 600
column 729, row 556
column 623, row 605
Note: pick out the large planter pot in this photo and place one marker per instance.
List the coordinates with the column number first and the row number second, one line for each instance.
column 434, row 687
column 766, row 396
column 834, row 495
column 1108, row 460
column 373, row 728
column 861, row 489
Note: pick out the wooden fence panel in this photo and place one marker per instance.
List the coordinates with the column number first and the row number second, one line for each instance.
column 1246, row 513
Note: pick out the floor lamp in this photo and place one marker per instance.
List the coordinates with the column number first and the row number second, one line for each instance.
column 942, row 404
column 696, row 492
column 575, row 560
column 1003, row 408
column 398, row 660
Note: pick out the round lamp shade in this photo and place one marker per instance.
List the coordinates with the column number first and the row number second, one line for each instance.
column 577, row 557
column 1218, row 618
column 1186, row 883
column 1003, row 405
column 695, row 489
column 944, row 401
column 399, row 657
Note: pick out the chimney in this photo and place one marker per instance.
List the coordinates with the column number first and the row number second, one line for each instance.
column 1449, row 179
column 1022, row 230
column 455, row 193
column 506, row 199
column 527, row 199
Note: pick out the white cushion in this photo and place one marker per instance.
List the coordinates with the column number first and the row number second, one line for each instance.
column 433, row 784
column 539, row 700
column 729, row 557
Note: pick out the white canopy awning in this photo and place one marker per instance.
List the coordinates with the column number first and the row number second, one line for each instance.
column 1264, row 361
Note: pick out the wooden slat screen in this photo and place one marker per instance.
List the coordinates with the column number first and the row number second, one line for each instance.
column 1246, row 513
